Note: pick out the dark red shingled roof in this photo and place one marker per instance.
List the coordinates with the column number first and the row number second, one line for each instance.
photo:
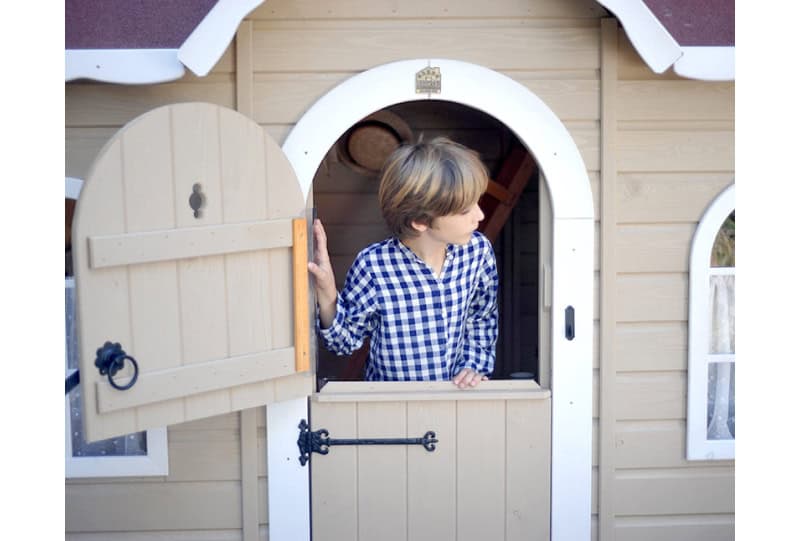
column 693, row 23
column 131, row 24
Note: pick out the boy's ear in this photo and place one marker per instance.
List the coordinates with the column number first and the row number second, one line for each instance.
column 419, row 227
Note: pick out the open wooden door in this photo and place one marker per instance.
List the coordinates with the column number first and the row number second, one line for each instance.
column 188, row 256
column 487, row 478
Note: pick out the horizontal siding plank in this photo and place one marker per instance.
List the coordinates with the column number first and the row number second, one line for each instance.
column 670, row 528
column 667, row 197
column 153, row 506
column 676, row 493
column 632, row 67
column 650, row 346
column 652, row 297
column 285, row 97
column 688, row 150
column 204, row 461
column 356, row 45
column 675, row 100
column 167, row 535
column 653, row 248
column 82, row 145
column 654, row 444
column 95, row 105
column 654, row 396
column 350, row 9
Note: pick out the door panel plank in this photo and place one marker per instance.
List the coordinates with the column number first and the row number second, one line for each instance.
column 382, row 486
column 528, row 470
column 480, row 454
column 334, row 477
column 432, row 475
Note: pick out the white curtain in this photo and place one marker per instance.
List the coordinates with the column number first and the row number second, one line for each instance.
column 721, row 399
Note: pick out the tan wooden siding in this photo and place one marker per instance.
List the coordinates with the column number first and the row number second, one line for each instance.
column 675, row 139
column 675, row 142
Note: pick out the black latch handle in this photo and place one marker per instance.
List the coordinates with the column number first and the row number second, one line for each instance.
column 318, row 441
column 111, row 359
column 569, row 323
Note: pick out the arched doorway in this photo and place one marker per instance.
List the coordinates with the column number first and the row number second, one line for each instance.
column 562, row 167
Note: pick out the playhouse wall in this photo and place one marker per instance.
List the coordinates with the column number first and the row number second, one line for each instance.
column 673, row 149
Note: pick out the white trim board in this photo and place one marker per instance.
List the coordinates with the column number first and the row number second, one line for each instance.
column 208, row 41
column 707, row 63
column 543, row 133
column 660, row 50
column 123, row 66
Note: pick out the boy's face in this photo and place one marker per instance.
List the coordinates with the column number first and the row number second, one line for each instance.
column 456, row 228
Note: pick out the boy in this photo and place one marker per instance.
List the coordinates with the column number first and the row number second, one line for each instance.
column 427, row 296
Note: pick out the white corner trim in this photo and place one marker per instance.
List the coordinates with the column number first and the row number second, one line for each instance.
column 288, row 492
column 123, row 66
column 207, row 43
column 707, row 63
column 654, row 43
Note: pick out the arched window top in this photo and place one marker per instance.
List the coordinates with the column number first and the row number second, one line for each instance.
column 711, row 413
column 723, row 253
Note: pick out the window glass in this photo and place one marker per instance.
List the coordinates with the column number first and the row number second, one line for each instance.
column 724, row 251
column 722, row 303
column 721, row 411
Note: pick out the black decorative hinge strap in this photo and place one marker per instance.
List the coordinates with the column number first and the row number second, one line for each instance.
column 318, row 441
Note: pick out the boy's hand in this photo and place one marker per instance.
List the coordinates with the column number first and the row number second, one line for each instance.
column 468, row 378
column 322, row 271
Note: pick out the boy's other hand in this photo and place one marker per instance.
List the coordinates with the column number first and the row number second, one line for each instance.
column 468, row 378
column 322, row 271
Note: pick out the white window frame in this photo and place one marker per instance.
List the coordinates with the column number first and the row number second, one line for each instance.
column 698, row 446
column 154, row 463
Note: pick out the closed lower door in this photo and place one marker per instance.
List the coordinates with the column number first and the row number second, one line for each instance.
column 487, row 479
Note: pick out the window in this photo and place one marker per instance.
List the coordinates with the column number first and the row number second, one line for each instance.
column 711, row 412
column 144, row 453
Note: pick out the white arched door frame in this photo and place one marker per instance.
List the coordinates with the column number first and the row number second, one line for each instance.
column 545, row 136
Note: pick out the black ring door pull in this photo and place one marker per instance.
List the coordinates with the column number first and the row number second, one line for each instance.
column 318, row 441
column 569, row 323
column 111, row 359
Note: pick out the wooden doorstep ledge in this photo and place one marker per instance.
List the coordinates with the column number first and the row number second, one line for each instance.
column 393, row 391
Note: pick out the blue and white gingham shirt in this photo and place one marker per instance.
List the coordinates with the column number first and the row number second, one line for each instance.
column 421, row 327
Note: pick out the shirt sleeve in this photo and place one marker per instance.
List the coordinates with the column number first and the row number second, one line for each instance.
column 355, row 312
column 480, row 331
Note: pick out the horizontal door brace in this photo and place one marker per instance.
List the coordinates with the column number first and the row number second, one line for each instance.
column 318, row 441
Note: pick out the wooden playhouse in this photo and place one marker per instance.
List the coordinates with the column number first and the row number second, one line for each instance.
column 196, row 150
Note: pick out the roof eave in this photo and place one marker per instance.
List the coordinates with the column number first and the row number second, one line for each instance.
column 200, row 52
column 660, row 50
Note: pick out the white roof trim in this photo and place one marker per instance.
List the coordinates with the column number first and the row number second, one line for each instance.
column 654, row 43
column 124, row 66
column 707, row 63
column 200, row 52
column 206, row 44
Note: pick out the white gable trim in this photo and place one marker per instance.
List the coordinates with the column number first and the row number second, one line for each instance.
column 707, row 63
column 207, row 43
column 200, row 52
column 654, row 43
column 123, row 66
column 542, row 132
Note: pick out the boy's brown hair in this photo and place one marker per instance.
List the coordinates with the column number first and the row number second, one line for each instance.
column 426, row 180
